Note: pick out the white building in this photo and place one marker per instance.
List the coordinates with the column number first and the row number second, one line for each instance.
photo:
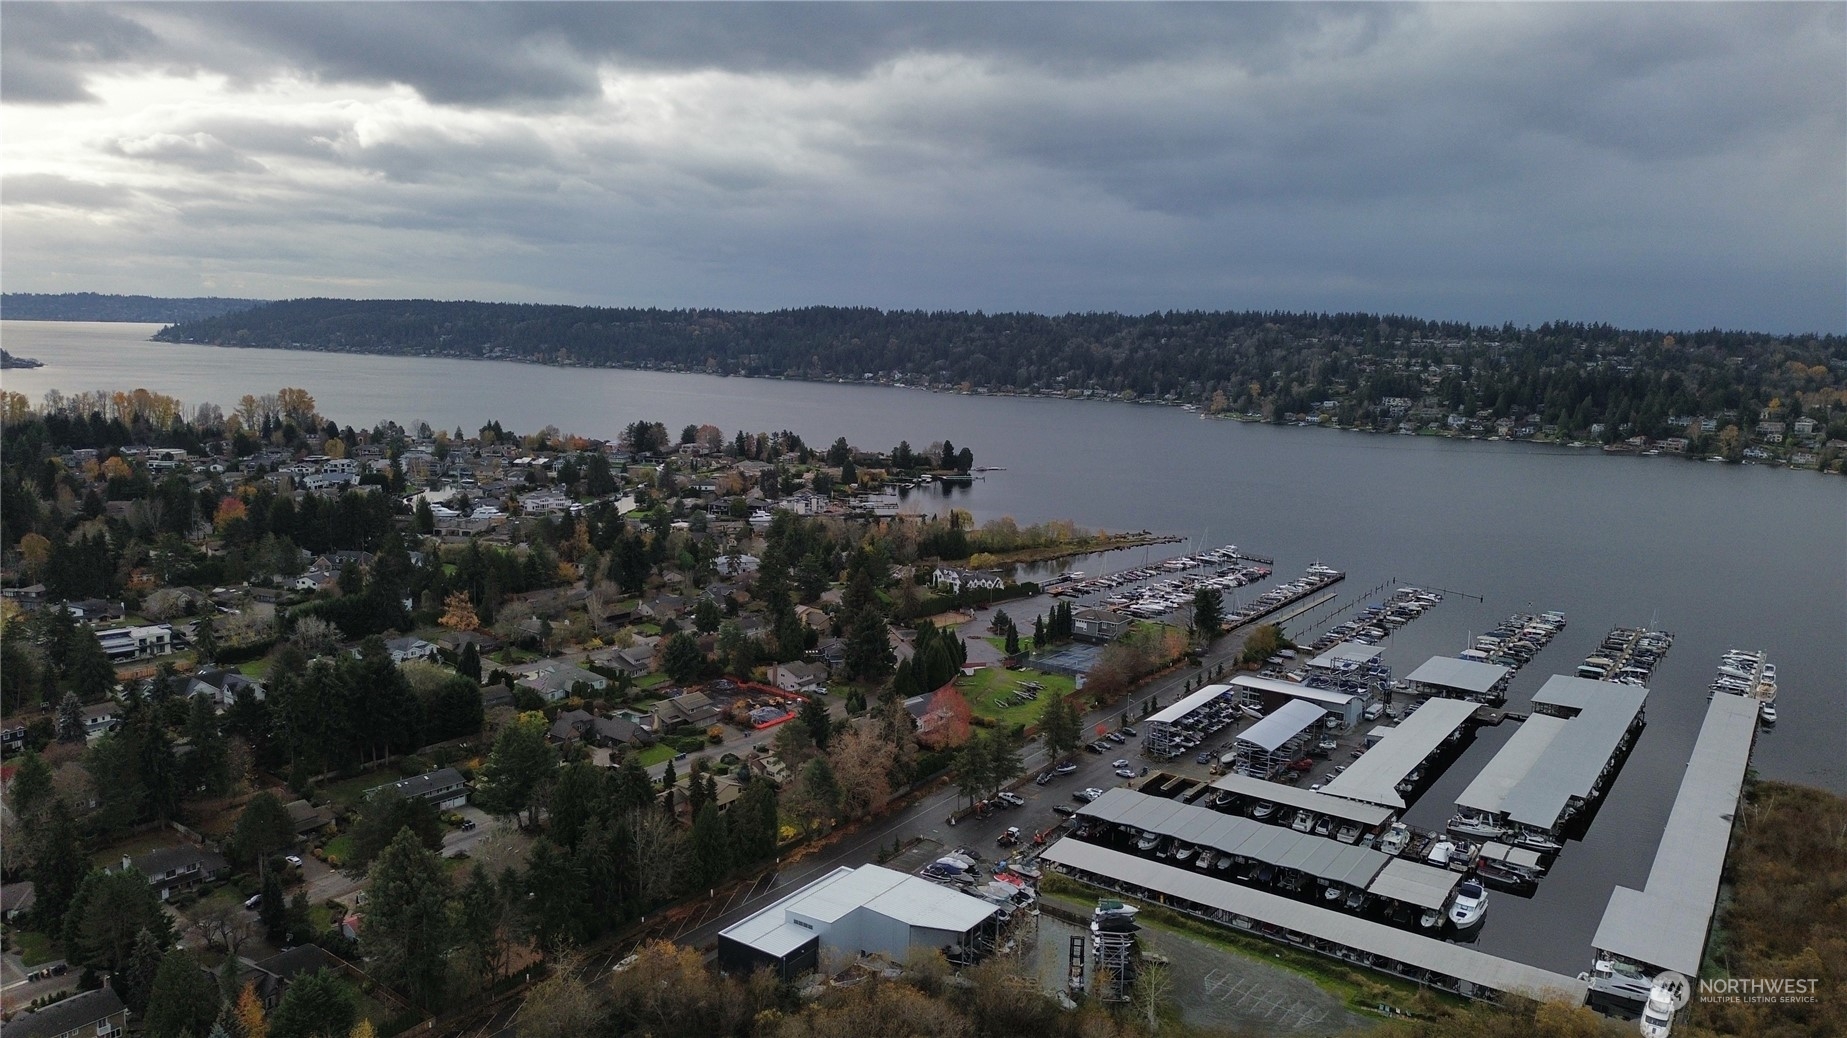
column 870, row 910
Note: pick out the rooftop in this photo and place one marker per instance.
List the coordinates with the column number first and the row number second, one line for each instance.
column 1374, row 777
column 1275, row 845
column 895, row 895
column 1366, row 814
column 1461, row 675
column 1284, row 723
column 1491, row 786
column 1665, row 926
column 1572, row 764
column 1170, row 714
column 1348, row 653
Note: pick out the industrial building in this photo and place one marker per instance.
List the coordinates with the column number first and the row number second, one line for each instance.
column 869, row 910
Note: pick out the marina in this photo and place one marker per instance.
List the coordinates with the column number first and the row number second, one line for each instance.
column 1377, row 776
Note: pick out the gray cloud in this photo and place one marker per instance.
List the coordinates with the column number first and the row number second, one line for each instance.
column 1668, row 165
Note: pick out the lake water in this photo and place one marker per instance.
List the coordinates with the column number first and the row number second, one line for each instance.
column 1721, row 555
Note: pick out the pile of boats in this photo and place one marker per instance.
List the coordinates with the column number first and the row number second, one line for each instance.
column 1628, row 656
column 1515, row 641
column 1743, row 673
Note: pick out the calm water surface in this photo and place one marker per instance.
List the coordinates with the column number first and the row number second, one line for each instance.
column 1720, row 555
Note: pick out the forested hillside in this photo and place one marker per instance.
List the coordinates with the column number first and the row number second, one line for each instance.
column 1359, row 369
column 93, row 306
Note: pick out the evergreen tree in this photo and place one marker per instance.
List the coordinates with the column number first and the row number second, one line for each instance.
column 316, row 1005
column 136, row 983
column 868, row 648
column 31, row 788
column 711, row 847
column 107, row 914
column 55, row 865
column 1060, row 726
column 70, row 718
column 407, row 923
column 184, row 999
column 273, row 910
column 817, row 720
column 470, row 665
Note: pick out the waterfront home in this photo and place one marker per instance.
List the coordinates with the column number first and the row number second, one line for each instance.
column 1098, row 625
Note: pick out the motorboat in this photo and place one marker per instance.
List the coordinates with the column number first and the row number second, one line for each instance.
column 1537, row 840
column 1470, row 904
column 1304, row 821
column 1262, row 809
column 1331, row 893
column 1396, row 839
column 1471, row 825
column 1505, row 875
column 1110, row 907
column 1767, row 712
column 1440, row 853
column 1324, row 825
column 1430, row 918
column 1347, row 833
column 1356, row 900
column 1148, row 842
column 1665, row 998
column 1621, row 980
column 1184, row 852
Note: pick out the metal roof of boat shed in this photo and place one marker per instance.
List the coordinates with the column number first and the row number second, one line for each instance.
column 1666, row 925
column 1186, row 706
column 1572, row 763
column 1461, row 675
column 1490, row 787
column 1375, row 776
column 1318, row 856
column 1452, row 960
column 1365, row 814
column 1414, row 883
column 1284, row 723
column 1352, row 654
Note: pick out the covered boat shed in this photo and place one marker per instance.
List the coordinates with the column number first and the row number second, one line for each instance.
column 1166, row 727
column 1369, row 817
column 1461, row 679
column 1273, row 742
column 1415, row 883
column 1339, row 935
column 1487, row 793
column 1346, row 656
column 1664, row 925
column 1374, row 777
column 1269, row 694
column 1600, row 716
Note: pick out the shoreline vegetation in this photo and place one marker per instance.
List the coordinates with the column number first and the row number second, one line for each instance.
column 1735, row 396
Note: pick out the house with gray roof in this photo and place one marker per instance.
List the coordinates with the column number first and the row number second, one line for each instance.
column 88, row 1014
column 554, row 681
column 174, row 870
column 444, row 787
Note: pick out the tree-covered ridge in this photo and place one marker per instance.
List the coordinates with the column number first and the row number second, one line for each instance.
column 95, row 306
column 1360, row 369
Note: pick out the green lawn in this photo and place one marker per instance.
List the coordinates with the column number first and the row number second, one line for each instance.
column 348, row 792
column 991, row 683
column 254, row 669
column 339, row 849
column 33, row 947
column 655, row 754
column 651, row 681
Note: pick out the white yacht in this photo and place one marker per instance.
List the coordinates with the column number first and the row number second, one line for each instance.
column 1395, row 839
column 1470, row 904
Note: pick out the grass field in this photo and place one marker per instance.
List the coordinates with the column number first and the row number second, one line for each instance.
column 651, row 681
column 339, row 849
column 33, row 947
column 993, row 683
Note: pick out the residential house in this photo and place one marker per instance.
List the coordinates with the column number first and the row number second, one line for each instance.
column 736, row 565
column 1098, row 625
column 496, row 695
column 1772, row 432
column 1805, row 426
column 306, row 817
column 403, row 650
column 31, row 596
column 663, row 607
column 101, row 718
column 456, row 641
column 691, row 709
column 174, row 870
column 444, row 787
column 959, row 580
column 87, row 1014
column 16, row 899
column 555, row 681
column 136, row 643
column 798, row 677
column 833, row 652
column 636, row 661
column 221, row 686
column 574, row 725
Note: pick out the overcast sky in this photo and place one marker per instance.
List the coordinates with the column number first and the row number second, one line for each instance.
column 1657, row 165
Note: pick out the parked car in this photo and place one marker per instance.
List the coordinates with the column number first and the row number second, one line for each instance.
column 1116, row 737
column 1010, row 837
column 253, row 901
column 468, row 823
column 1125, row 772
column 1120, row 762
column 1096, row 747
column 1088, row 795
column 1130, row 732
column 293, row 859
column 1044, row 777
column 1065, row 767
column 1011, row 799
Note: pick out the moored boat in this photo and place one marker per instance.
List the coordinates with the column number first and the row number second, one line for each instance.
column 1469, row 906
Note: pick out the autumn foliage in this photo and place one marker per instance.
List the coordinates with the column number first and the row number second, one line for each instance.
column 947, row 721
